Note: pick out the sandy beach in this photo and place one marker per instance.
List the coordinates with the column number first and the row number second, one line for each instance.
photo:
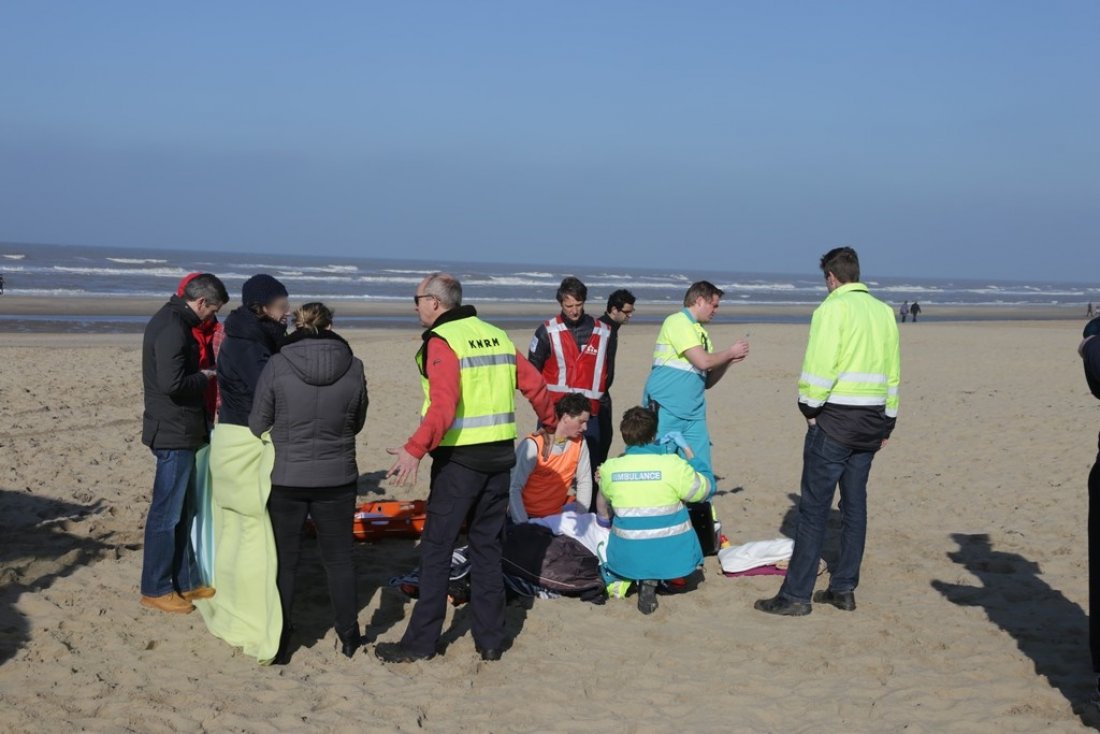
column 972, row 608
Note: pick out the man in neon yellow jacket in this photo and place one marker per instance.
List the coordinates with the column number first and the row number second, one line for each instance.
column 848, row 393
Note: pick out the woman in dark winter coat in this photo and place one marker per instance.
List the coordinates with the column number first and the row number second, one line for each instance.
column 246, row 611
column 253, row 332
column 312, row 396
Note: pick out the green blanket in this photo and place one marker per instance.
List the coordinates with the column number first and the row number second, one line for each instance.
column 245, row 612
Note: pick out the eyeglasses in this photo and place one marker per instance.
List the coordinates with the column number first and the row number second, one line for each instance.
column 416, row 299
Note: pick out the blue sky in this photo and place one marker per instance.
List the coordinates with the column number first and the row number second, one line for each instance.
column 940, row 139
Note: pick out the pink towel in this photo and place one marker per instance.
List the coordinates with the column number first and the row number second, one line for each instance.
column 771, row 570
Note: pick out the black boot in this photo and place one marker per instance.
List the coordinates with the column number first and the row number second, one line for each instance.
column 647, row 597
column 350, row 641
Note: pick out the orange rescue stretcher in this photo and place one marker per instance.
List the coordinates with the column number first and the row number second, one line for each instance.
column 390, row 519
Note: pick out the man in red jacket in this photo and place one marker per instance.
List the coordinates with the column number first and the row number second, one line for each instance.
column 470, row 371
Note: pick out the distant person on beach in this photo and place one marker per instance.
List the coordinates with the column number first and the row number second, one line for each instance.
column 620, row 307
column 553, row 470
column 848, row 393
column 915, row 310
column 904, row 312
column 245, row 557
column 312, row 396
column 174, row 427
column 469, row 371
column 642, row 499
column 1089, row 312
column 571, row 351
column 2, row 288
column 685, row 366
column 1089, row 350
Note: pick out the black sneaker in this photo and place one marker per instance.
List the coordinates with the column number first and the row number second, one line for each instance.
column 395, row 652
column 490, row 654
column 845, row 600
column 784, row 607
column 647, row 597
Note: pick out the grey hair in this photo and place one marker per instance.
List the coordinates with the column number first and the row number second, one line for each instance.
column 208, row 287
column 445, row 288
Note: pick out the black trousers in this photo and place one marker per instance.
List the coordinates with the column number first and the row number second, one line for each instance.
column 459, row 494
column 606, row 420
column 333, row 512
column 1094, row 562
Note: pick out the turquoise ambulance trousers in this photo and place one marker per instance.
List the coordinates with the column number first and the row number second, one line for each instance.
column 697, row 436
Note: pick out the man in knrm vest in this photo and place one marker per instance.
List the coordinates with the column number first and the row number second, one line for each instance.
column 685, row 366
column 470, row 371
column 848, row 393
column 571, row 351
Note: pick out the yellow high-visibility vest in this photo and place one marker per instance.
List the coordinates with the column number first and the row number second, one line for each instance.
column 487, row 374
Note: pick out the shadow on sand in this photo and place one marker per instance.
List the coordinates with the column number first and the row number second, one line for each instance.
column 36, row 550
column 1047, row 627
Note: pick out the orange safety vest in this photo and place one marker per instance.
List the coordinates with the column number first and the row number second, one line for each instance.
column 576, row 370
column 547, row 487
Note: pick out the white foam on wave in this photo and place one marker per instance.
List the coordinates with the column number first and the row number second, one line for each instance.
column 147, row 272
column 783, row 287
column 15, row 256
column 393, row 279
column 137, row 260
column 260, row 267
column 400, row 271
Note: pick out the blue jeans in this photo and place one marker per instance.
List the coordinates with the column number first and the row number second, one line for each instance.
column 825, row 464
column 169, row 563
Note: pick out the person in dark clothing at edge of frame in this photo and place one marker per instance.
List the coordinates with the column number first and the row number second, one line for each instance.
column 1089, row 351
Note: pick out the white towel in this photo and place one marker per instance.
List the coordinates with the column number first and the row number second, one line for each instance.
column 738, row 558
column 580, row 526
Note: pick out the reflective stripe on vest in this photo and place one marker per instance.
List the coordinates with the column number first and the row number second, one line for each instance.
column 487, row 361
column 482, row 421
column 664, row 355
column 651, row 533
column 582, row 371
column 649, row 511
column 486, row 410
column 852, row 358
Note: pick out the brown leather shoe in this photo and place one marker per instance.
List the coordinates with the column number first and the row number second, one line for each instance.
column 199, row 592
column 173, row 603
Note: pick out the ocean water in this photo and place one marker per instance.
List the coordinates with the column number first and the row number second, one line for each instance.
column 69, row 271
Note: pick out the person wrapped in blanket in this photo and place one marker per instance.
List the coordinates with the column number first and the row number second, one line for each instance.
column 642, row 498
column 553, row 469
